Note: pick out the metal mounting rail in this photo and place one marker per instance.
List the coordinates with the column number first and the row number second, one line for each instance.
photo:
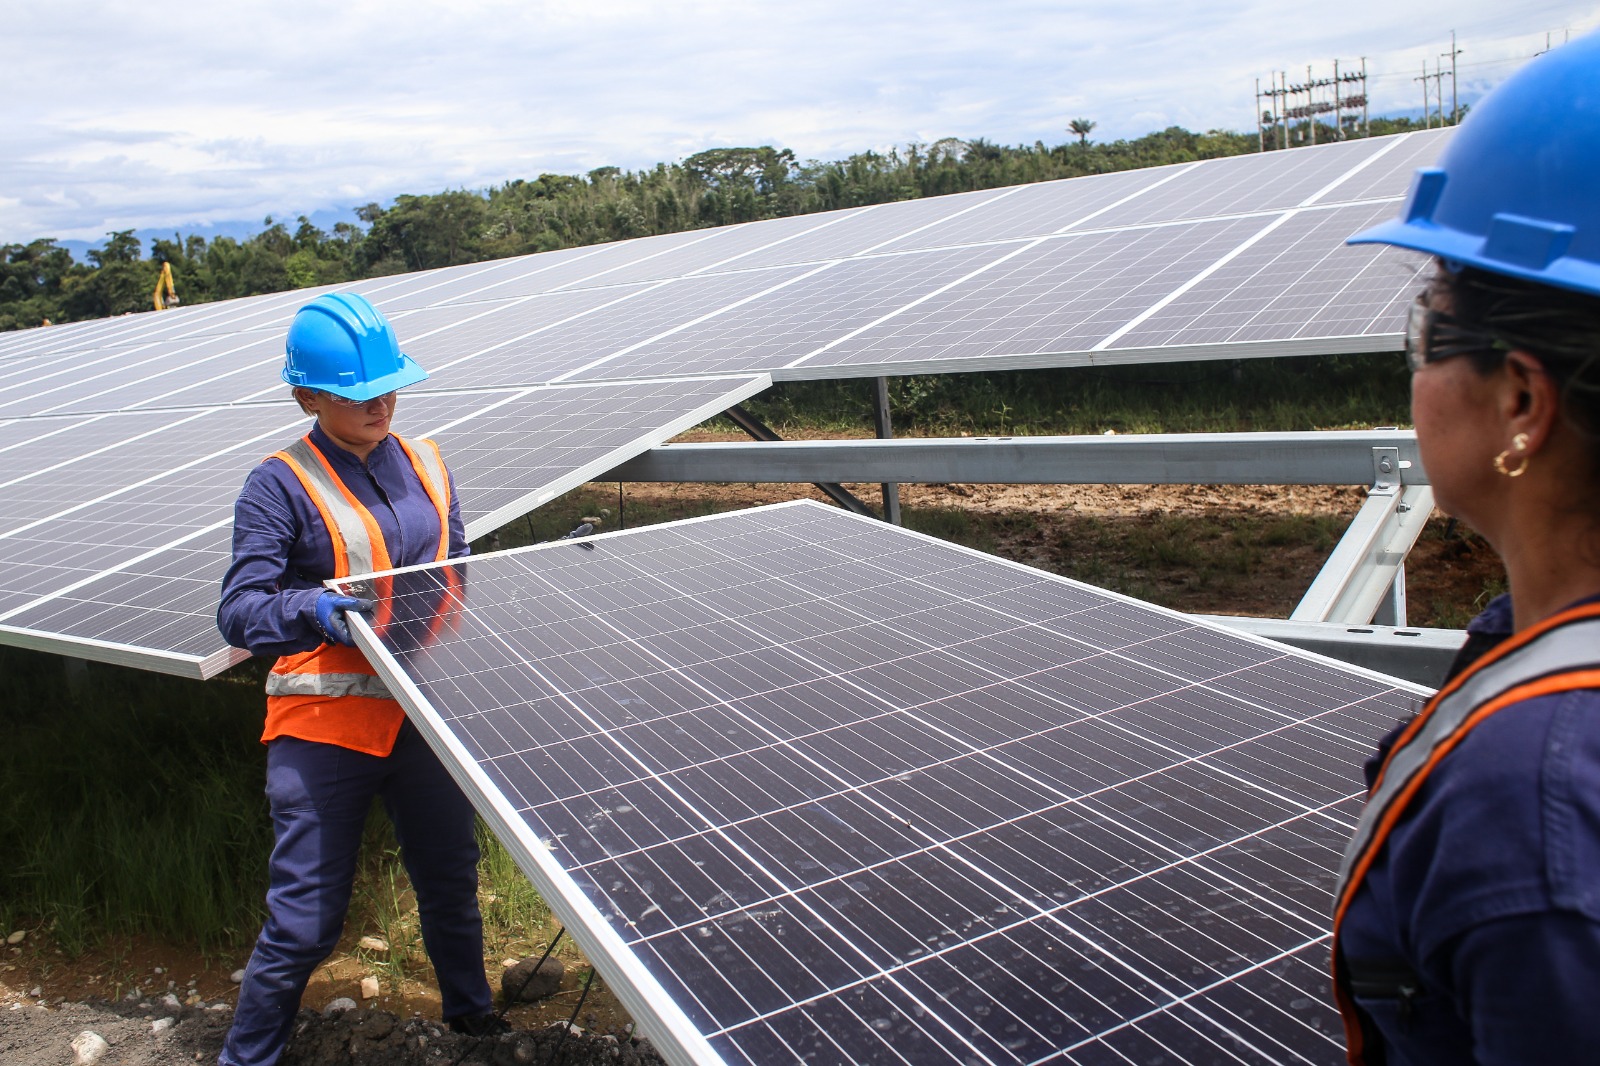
column 1364, row 580
column 1327, row 458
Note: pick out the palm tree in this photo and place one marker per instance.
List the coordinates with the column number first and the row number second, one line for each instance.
column 1081, row 127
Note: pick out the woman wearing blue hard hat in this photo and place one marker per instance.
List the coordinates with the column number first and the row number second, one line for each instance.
column 349, row 497
column 1467, row 921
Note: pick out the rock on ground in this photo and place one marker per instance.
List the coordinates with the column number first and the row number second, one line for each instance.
column 532, row 980
column 38, row 1036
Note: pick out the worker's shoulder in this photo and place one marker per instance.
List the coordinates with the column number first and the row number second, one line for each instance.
column 271, row 481
column 1530, row 772
column 1503, row 756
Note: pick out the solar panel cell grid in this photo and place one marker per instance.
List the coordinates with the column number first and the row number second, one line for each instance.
column 1247, row 184
column 1064, row 294
column 513, row 455
column 1390, row 174
column 800, row 318
column 748, row 246
column 493, row 343
column 870, row 229
column 1298, row 281
column 630, row 319
column 612, row 264
column 1038, row 210
column 214, row 370
column 471, row 282
column 840, row 787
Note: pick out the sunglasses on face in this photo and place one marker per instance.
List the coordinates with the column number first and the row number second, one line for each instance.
column 1432, row 336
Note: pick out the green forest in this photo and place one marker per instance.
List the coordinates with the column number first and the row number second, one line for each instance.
column 41, row 282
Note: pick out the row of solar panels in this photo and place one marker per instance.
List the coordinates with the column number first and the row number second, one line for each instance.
column 128, row 438
column 1103, row 267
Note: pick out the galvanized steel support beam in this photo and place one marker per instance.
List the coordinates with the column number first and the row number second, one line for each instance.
column 1331, row 458
column 1366, row 571
column 1420, row 655
column 885, row 431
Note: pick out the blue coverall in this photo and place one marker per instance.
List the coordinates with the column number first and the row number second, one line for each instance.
column 1488, row 890
column 320, row 793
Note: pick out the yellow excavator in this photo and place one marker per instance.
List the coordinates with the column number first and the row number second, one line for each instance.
column 164, row 281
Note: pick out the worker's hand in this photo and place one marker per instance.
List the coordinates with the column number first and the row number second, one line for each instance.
column 330, row 615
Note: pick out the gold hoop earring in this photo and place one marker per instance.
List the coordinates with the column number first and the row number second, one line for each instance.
column 1519, row 444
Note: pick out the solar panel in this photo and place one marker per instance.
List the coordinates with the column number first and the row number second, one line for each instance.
column 808, row 787
column 114, row 529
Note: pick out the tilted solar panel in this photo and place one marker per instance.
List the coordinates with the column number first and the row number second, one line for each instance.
column 115, row 529
column 808, row 787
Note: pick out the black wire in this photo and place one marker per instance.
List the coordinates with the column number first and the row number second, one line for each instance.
column 561, row 1044
column 509, row 1000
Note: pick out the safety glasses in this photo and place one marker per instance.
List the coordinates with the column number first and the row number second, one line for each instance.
column 1433, row 335
column 387, row 400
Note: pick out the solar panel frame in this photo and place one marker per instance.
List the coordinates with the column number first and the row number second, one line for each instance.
column 680, row 1021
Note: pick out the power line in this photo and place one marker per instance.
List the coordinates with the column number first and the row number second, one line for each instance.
column 1284, row 106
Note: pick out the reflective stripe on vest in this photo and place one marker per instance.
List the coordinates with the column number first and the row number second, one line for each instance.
column 429, row 465
column 309, row 684
column 333, row 671
column 1560, row 654
column 358, row 546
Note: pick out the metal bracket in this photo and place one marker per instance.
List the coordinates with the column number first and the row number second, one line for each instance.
column 885, row 431
column 1386, row 467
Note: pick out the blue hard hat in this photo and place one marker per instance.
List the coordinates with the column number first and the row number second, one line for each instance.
column 340, row 343
column 1517, row 190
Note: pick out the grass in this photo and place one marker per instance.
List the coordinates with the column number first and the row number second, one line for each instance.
column 133, row 806
column 1326, row 392
column 516, row 920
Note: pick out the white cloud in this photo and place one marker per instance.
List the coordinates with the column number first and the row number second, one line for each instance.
column 198, row 112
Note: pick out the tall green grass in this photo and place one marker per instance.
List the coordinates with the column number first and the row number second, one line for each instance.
column 132, row 804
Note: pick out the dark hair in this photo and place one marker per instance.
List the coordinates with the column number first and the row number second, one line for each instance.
column 1560, row 327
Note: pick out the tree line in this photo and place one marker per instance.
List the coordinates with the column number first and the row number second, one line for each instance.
column 41, row 282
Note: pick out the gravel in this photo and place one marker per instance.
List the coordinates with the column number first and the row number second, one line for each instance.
column 151, row 1032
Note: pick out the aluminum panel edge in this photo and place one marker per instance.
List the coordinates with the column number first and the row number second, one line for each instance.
column 199, row 668
column 1347, row 345
column 679, row 1041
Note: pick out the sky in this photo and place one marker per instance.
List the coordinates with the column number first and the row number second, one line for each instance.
column 182, row 114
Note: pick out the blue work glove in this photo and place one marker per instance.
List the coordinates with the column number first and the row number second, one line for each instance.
column 330, row 616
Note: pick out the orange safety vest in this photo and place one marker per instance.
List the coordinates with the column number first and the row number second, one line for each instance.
column 331, row 694
column 1560, row 654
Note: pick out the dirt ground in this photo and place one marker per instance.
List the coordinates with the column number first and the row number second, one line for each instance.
column 1207, row 549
